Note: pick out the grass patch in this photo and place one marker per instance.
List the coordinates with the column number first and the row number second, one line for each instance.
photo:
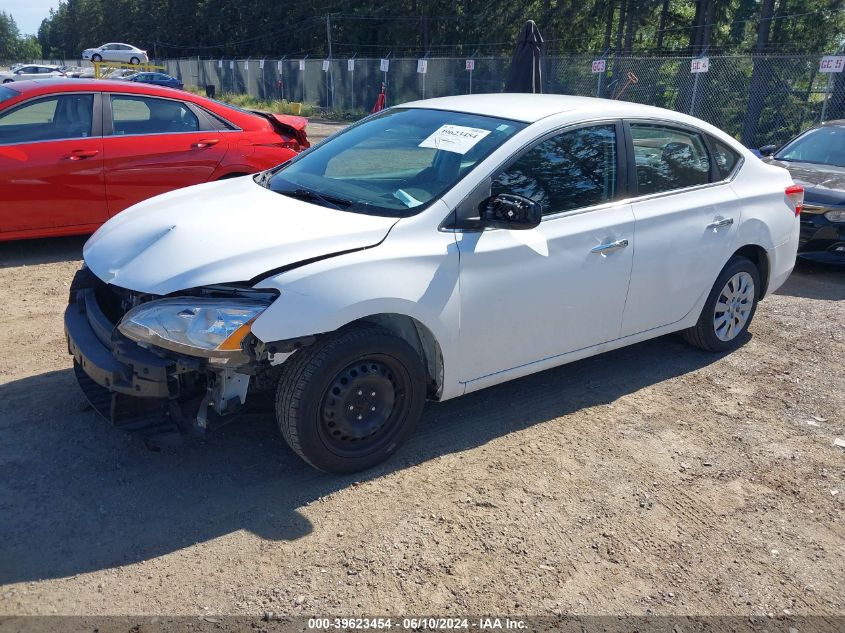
column 247, row 102
column 282, row 106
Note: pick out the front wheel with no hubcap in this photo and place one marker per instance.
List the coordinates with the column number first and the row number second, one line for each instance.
column 347, row 402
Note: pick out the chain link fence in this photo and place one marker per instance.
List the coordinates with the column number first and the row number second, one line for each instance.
column 759, row 100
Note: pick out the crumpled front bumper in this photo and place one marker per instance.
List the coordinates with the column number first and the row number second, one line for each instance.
column 119, row 366
column 133, row 388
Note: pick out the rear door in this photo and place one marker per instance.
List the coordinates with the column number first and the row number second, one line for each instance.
column 686, row 216
column 153, row 145
column 51, row 163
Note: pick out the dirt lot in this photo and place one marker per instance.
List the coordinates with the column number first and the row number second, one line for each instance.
column 654, row 479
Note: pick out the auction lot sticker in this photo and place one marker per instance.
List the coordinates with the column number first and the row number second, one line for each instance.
column 455, row 138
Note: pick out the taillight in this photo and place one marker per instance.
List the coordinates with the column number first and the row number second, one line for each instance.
column 796, row 194
column 284, row 144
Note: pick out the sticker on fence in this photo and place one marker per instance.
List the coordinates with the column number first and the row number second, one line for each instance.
column 455, row 138
column 301, row 64
column 220, row 63
column 599, row 66
column 350, row 65
column 384, row 65
column 261, row 64
column 325, row 65
column 422, row 66
column 246, row 64
column 700, row 65
column 832, row 64
column 470, row 64
column 231, row 64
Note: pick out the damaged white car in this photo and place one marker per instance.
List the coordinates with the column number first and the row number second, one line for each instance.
column 428, row 251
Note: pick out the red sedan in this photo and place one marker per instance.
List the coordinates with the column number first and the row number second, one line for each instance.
column 73, row 153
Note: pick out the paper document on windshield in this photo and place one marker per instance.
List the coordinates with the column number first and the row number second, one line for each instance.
column 455, row 138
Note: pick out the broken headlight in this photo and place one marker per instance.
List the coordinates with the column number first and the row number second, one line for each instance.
column 213, row 328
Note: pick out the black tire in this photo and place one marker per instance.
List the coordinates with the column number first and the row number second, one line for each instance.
column 96, row 58
column 8, row 81
column 324, row 406
column 135, row 61
column 703, row 334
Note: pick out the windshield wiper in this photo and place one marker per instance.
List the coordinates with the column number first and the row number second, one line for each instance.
column 326, row 201
column 263, row 178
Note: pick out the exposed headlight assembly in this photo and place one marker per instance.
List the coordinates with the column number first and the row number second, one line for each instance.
column 837, row 215
column 212, row 328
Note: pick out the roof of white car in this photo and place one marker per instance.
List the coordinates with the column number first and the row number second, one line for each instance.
column 533, row 107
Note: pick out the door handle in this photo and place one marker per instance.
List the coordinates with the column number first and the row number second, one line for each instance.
column 208, row 142
column 720, row 223
column 81, row 154
column 601, row 249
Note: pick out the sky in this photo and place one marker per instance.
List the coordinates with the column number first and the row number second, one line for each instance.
column 28, row 13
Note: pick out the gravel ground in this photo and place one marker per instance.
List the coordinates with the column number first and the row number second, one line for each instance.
column 653, row 479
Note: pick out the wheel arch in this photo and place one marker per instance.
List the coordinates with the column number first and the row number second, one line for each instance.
column 421, row 339
column 758, row 255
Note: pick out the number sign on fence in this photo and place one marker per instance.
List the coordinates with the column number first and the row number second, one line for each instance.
column 700, row 65
column 832, row 64
column 599, row 65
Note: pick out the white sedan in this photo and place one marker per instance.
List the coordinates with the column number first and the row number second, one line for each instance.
column 116, row 52
column 430, row 250
column 24, row 72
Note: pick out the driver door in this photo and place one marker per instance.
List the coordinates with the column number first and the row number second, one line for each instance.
column 532, row 295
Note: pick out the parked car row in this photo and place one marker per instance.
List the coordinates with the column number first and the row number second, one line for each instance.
column 75, row 153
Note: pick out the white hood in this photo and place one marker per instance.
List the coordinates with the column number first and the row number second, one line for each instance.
column 220, row 232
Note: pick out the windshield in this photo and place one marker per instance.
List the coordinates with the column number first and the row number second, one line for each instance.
column 7, row 93
column 824, row 145
column 394, row 163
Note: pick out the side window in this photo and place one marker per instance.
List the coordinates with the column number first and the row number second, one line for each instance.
column 146, row 115
column 668, row 158
column 572, row 170
column 219, row 122
column 51, row 118
column 725, row 158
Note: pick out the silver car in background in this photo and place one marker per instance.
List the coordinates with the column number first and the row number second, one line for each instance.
column 116, row 52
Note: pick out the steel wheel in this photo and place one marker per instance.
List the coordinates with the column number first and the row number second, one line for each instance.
column 733, row 307
column 361, row 409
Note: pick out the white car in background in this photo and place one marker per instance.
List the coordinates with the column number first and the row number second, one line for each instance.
column 25, row 72
column 428, row 251
column 115, row 52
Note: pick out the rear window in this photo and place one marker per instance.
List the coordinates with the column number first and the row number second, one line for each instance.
column 726, row 159
column 7, row 93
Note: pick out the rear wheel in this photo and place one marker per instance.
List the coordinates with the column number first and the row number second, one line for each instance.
column 8, row 81
column 729, row 308
column 347, row 402
column 134, row 61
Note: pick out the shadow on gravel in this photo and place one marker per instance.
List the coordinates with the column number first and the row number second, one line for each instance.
column 78, row 496
column 42, row 251
column 810, row 280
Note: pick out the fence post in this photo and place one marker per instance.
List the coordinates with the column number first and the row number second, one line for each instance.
column 826, row 97
column 694, row 94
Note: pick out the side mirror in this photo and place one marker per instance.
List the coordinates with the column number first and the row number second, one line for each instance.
column 509, row 211
column 767, row 150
